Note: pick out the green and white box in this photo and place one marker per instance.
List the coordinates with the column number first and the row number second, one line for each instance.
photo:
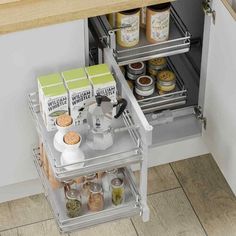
column 74, row 74
column 47, row 81
column 104, row 85
column 80, row 93
column 55, row 103
column 97, row 70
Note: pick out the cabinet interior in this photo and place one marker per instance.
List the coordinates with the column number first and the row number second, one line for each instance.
column 172, row 119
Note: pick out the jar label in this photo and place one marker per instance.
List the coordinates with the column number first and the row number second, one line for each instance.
column 130, row 35
column 160, row 26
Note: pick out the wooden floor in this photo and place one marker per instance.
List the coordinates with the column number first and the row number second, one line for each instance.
column 186, row 198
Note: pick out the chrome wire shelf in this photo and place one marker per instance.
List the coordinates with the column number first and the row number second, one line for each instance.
column 126, row 149
column 56, row 198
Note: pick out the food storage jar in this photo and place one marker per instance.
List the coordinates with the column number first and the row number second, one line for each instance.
column 108, row 176
column 88, row 180
column 166, row 81
column 63, row 124
column 118, row 191
column 129, row 22
column 96, row 198
column 73, row 203
column 144, row 86
column 134, row 70
column 72, row 153
column 158, row 22
column 155, row 65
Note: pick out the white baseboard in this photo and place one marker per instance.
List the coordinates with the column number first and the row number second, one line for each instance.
column 20, row 190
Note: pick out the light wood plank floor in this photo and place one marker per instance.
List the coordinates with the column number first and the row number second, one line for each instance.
column 186, row 198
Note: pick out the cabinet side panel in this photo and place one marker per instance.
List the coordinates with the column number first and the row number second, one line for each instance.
column 220, row 95
column 23, row 56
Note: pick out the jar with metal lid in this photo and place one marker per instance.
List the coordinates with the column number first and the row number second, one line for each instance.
column 109, row 175
column 158, row 22
column 155, row 65
column 135, row 70
column 118, row 191
column 88, row 180
column 73, row 203
column 69, row 185
column 144, row 86
column 96, row 198
column 128, row 21
column 166, row 81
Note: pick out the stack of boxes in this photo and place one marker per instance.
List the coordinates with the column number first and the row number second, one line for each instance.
column 72, row 91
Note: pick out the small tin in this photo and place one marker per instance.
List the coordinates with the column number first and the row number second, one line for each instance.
column 135, row 70
column 144, row 86
column 155, row 65
column 166, row 81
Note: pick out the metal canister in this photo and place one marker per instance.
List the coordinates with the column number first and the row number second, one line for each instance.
column 134, row 70
column 129, row 21
column 155, row 65
column 158, row 22
column 144, row 86
column 118, row 191
column 166, row 81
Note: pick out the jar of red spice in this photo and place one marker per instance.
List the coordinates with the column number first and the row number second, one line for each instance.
column 135, row 70
column 144, row 86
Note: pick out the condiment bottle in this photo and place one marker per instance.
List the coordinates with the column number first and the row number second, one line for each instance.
column 109, row 175
column 68, row 185
column 158, row 22
column 96, row 198
column 73, row 203
column 118, row 191
column 128, row 21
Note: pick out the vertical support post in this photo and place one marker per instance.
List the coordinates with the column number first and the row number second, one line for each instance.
column 86, row 42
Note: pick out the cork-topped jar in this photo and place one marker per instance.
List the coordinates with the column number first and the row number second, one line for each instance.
column 166, row 81
column 72, row 153
column 63, row 124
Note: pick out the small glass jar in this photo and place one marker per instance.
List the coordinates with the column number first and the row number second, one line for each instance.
column 118, row 191
column 144, row 86
column 135, row 70
column 166, row 81
column 88, row 180
column 156, row 65
column 69, row 185
column 109, row 175
column 96, row 198
column 73, row 203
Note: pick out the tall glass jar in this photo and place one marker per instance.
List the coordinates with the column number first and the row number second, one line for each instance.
column 88, row 180
column 118, row 191
column 73, row 203
column 108, row 176
column 96, row 198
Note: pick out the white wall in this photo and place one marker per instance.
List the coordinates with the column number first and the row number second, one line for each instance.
column 23, row 56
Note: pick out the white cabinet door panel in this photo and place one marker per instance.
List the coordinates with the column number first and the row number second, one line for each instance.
column 220, row 93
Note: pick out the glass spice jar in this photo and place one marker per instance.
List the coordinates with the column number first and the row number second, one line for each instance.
column 96, row 198
column 73, row 203
column 118, row 191
column 88, row 180
column 108, row 176
column 69, row 185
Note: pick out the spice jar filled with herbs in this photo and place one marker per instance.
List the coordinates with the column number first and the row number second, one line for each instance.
column 108, row 176
column 118, row 191
column 96, row 197
column 73, row 203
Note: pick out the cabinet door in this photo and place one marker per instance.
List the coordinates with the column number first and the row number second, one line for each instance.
column 220, row 92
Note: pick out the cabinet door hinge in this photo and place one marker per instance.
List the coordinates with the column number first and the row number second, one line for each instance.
column 208, row 10
column 199, row 115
